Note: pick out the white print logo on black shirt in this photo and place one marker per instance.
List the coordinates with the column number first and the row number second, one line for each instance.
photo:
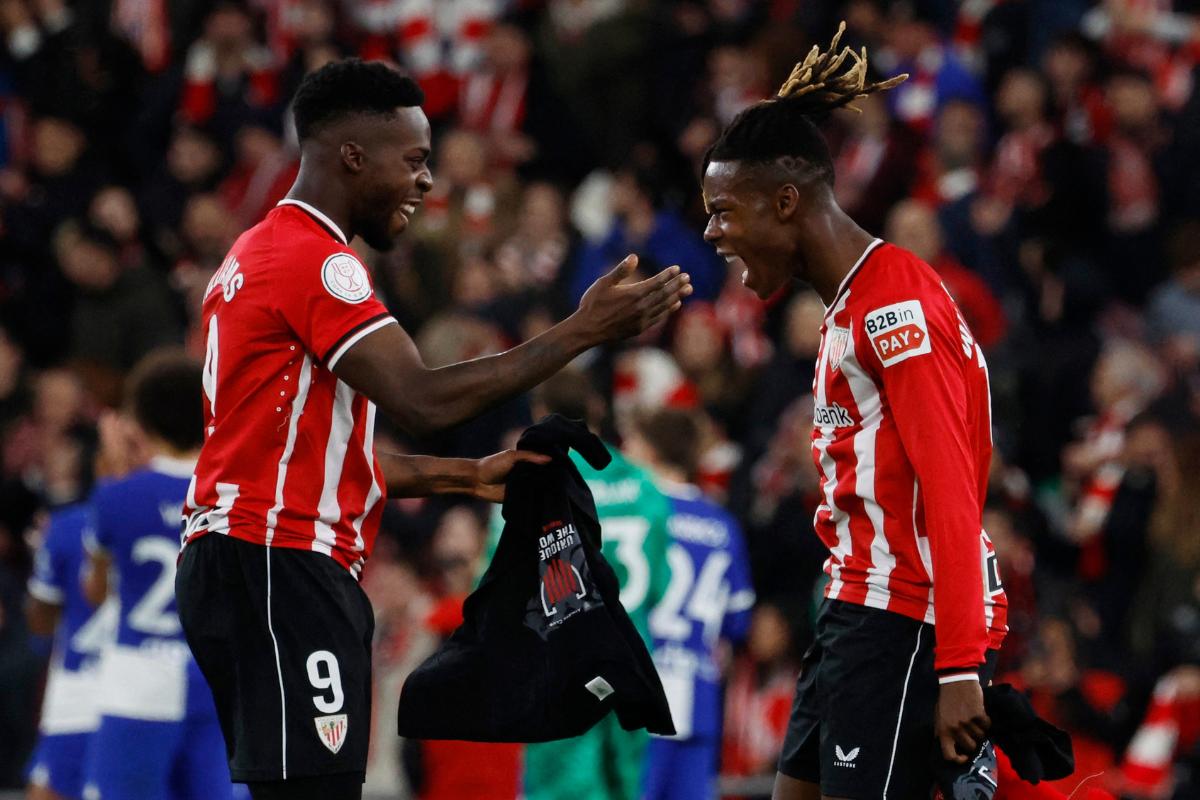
column 898, row 332
column 832, row 416
column 845, row 759
column 346, row 278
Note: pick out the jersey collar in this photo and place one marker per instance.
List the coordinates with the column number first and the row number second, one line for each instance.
column 175, row 467
column 683, row 491
column 317, row 215
column 850, row 275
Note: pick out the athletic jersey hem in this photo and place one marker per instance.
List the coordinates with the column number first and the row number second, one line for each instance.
column 919, row 610
column 285, row 543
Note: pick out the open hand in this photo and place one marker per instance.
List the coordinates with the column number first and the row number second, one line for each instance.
column 492, row 471
column 961, row 722
column 612, row 310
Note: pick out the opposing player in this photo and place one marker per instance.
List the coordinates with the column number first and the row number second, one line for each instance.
column 286, row 499
column 56, row 605
column 708, row 600
column 158, row 736
column 902, row 440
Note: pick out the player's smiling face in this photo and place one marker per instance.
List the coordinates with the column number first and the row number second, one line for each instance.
column 747, row 228
column 396, row 177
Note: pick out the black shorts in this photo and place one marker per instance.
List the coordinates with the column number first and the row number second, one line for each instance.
column 862, row 721
column 283, row 637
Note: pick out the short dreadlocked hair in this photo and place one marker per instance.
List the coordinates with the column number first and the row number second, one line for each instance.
column 785, row 126
column 351, row 86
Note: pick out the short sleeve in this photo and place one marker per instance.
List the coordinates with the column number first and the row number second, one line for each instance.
column 100, row 536
column 658, row 508
column 741, row 589
column 330, row 304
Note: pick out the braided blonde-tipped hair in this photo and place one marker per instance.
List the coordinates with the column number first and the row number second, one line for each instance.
column 816, row 80
column 783, row 130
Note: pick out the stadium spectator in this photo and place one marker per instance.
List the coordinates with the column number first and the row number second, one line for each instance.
column 448, row 770
column 875, row 164
column 758, row 698
column 228, row 77
column 119, row 314
column 643, row 221
column 914, row 226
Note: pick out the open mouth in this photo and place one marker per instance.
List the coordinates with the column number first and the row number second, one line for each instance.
column 734, row 258
column 409, row 207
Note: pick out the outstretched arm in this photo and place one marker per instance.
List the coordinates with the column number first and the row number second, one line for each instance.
column 482, row 478
column 386, row 367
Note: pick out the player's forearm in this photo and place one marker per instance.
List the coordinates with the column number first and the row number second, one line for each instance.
column 41, row 617
column 458, row 392
column 95, row 580
column 952, row 527
column 422, row 476
column 958, row 603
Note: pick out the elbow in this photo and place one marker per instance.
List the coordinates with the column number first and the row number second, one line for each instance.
column 38, row 619
column 95, row 589
column 420, row 417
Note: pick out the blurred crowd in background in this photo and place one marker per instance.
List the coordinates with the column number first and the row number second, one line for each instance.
column 1043, row 157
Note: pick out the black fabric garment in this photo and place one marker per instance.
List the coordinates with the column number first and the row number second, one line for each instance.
column 1038, row 750
column 546, row 649
column 975, row 780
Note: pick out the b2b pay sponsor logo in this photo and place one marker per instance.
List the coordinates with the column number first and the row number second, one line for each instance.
column 898, row 332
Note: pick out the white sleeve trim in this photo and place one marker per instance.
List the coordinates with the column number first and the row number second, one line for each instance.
column 91, row 545
column 40, row 590
column 356, row 338
column 967, row 676
column 741, row 601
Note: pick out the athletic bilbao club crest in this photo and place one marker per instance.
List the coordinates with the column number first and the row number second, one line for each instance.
column 838, row 341
column 332, row 730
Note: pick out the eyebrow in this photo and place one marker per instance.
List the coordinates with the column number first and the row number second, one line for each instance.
column 719, row 199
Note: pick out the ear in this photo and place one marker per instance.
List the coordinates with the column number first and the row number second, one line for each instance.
column 787, row 202
column 353, row 158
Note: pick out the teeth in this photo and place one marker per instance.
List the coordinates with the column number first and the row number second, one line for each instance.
column 730, row 258
column 745, row 276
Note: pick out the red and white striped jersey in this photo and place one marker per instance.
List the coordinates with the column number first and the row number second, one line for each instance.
column 902, row 444
column 288, row 457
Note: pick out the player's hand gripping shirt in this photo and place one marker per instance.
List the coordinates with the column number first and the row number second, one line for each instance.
column 902, row 444
column 288, row 457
